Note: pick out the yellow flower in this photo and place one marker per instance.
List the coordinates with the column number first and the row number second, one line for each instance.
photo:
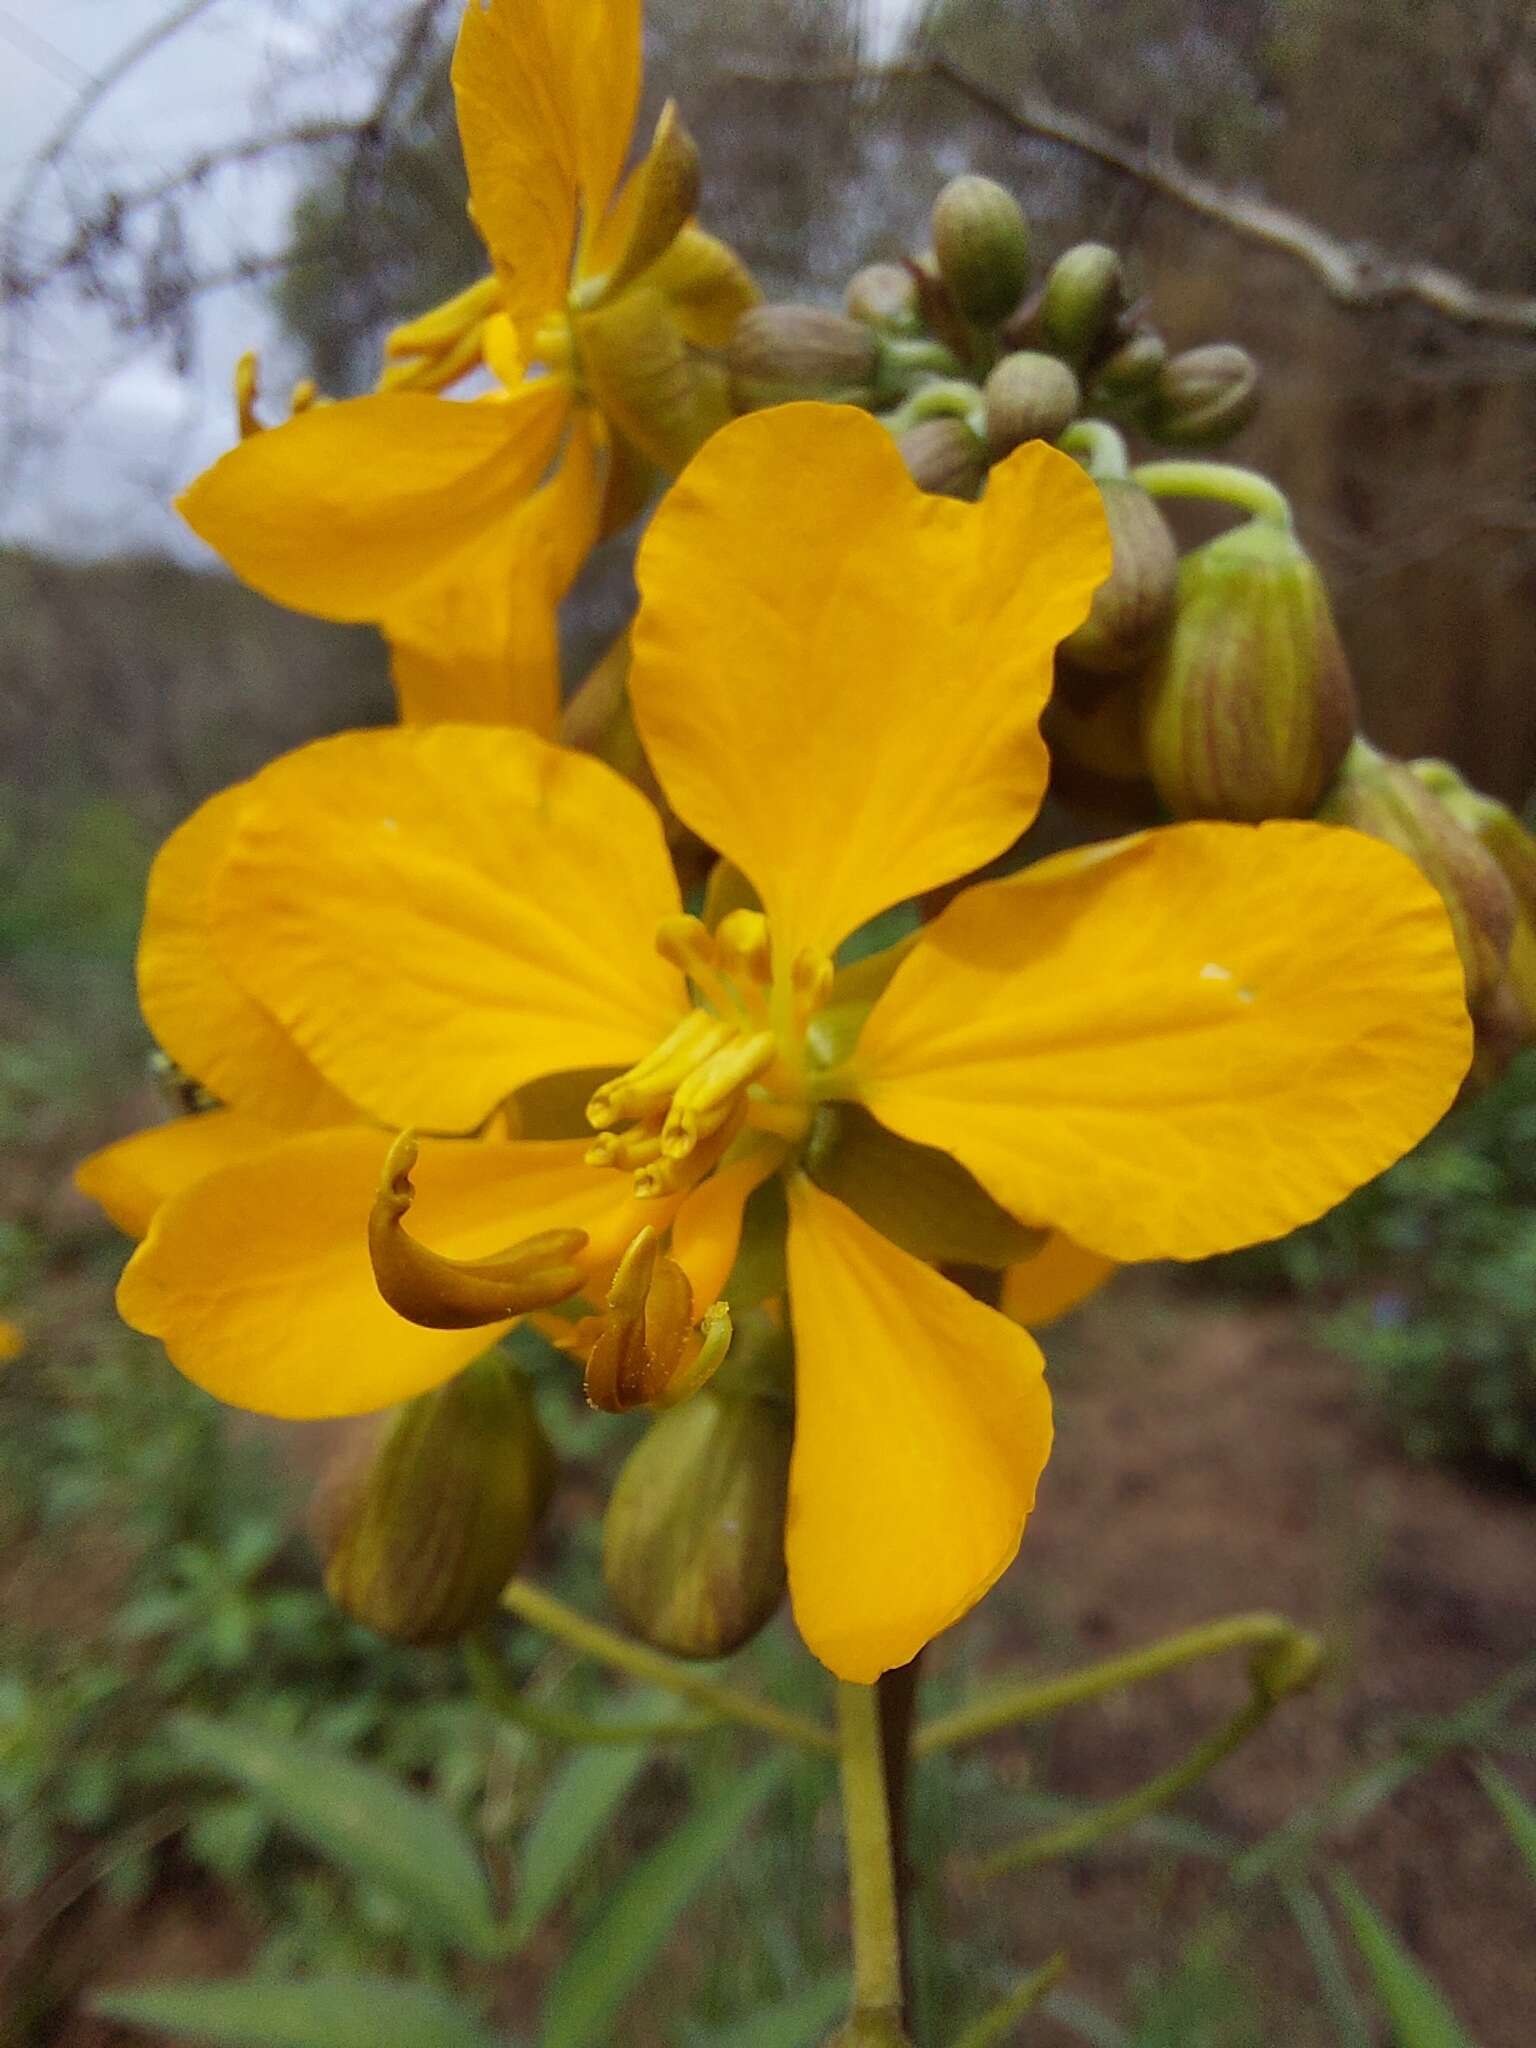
column 458, row 526
column 1189, row 1040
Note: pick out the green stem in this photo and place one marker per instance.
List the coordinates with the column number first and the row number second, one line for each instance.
column 1101, row 448
column 1221, row 481
column 1035, row 1700
column 495, row 1690
column 871, row 1867
column 542, row 1610
column 1092, row 1827
column 998, row 2024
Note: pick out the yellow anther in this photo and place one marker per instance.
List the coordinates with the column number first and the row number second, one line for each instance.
column 439, row 347
column 702, row 1102
column 462, row 1294
column 810, row 977
column 246, row 393
column 744, row 948
column 627, row 1150
column 644, row 1350
column 649, row 1084
column 305, row 392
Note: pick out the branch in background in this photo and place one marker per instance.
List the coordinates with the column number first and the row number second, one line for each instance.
column 1354, row 274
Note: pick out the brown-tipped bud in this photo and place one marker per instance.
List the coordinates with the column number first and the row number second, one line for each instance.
column 1085, row 298
column 1202, row 397
column 1248, row 708
column 420, row 1539
column 781, row 353
column 693, row 1540
column 981, row 246
column 1029, row 397
column 1132, row 369
column 944, row 456
column 883, row 295
column 1133, row 605
column 1383, row 797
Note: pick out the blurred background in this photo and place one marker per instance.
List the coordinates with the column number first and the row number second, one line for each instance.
column 1342, row 1428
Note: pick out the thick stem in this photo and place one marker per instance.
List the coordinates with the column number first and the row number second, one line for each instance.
column 877, row 1987
column 1219, row 481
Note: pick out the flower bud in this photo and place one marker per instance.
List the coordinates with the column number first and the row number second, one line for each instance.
column 1092, row 726
column 420, row 1541
column 1249, row 708
column 883, row 295
column 945, row 456
column 1492, row 824
column 781, row 353
column 1085, row 297
column 981, row 245
column 693, row 1540
column 1029, row 397
column 1292, row 1665
column 1134, row 366
column 1383, row 797
column 1134, row 603
column 1203, row 397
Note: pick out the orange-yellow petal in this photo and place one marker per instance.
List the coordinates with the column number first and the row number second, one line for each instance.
column 479, row 643
column 838, row 678
column 441, row 913
column 1189, row 1041
column 193, row 1005
column 922, row 1424
column 342, row 509
column 131, row 1178
column 1060, row 1275
column 258, row 1280
column 706, row 285
column 662, row 398
column 707, row 1233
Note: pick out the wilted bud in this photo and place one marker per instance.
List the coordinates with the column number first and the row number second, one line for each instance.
column 1203, row 397
column 781, row 353
column 420, row 1540
column 945, row 456
column 1029, row 397
column 1132, row 368
column 1084, row 299
column 883, row 295
column 693, row 1540
column 981, row 246
column 1249, row 708
column 1133, row 604
column 1383, row 797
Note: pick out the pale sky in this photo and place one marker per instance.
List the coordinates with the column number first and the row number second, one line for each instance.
column 123, row 428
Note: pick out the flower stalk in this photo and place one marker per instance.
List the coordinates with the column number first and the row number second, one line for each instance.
column 1222, row 482
column 877, row 1972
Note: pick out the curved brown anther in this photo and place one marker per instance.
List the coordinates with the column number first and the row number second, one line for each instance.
column 440, row 1293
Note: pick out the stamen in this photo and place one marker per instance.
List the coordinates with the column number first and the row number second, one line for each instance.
column 745, row 950
column 643, row 1351
column 701, row 1103
column 649, row 1084
column 440, row 346
column 440, row 1293
column 246, row 393
column 305, row 392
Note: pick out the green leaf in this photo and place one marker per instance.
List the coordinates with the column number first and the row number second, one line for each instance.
column 799, row 2021
column 360, row 1818
column 581, row 1800
column 1000, row 2023
column 623, row 1941
column 1518, row 1816
column 325, row 2012
column 1420, row 2017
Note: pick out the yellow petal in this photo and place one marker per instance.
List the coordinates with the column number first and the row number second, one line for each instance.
column 839, row 679
column 257, row 1277
column 707, row 1233
column 657, row 201
column 341, row 509
column 133, row 1177
column 441, row 913
column 479, row 644
column 192, row 1003
column 1060, row 1275
column 641, row 373
column 707, row 286
column 1192, row 1040
column 922, row 1425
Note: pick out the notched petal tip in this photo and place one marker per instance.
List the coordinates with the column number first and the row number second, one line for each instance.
column 441, row 1293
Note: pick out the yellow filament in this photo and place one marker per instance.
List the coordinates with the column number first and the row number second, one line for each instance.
column 246, row 394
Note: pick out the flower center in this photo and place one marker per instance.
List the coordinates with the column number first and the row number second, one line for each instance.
column 736, row 1062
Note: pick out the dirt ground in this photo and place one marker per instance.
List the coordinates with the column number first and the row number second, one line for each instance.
column 1209, row 1460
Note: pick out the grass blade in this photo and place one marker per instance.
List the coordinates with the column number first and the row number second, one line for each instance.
column 1420, row 2017
column 324, row 2012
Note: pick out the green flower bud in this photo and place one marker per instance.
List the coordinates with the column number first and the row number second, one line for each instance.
column 1249, row 708
column 945, row 456
column 693, row 1540
column 1132, row 369
column 1092, row 726
column 1135, row 601
column 1491, row 823
column 420, row 1538
column 1202, row 397
column 780, row 353
column 981, row 246
column 1383, row 797
column 1085, row 298
column 1029, row 397
column 884, row 295
column 1290, row 1666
